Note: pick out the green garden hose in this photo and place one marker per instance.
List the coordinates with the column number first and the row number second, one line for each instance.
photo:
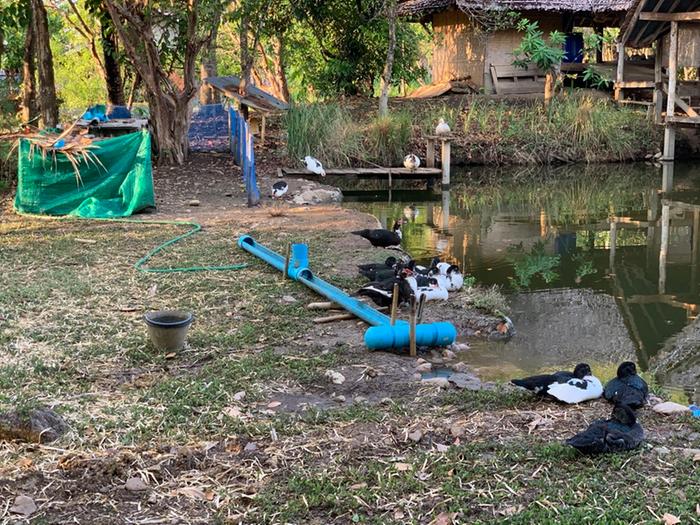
column 139, row 265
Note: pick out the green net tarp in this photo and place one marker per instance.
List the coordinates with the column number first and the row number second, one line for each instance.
column 119, row 185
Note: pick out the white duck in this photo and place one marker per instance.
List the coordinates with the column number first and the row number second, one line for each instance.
column 432, row 292
column 453, row 278
column 443, row 128
column 411, row 162
column 314, row 165
column 279, row 188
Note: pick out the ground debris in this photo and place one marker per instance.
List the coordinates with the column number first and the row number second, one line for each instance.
column 23, row 505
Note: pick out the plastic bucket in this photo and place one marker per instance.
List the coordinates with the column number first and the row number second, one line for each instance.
column 168, row 328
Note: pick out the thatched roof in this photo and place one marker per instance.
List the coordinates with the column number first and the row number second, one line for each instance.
column 420, row 8
column 640, row 33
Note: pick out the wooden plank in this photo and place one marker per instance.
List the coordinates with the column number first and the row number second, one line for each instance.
column 623, row 38
column 674, row 119
column 431, row 90
column 658, row 81
column 419, row 172
column 670, row 17
column 494, row 79
column 685, row 107
column 672, row 70
column 658, row 5
column 619, row 77
column 637, row 84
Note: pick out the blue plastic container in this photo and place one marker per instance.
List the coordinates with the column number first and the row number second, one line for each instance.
column 573, row 47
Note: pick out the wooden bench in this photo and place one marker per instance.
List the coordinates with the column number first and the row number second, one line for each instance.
column 510, row 80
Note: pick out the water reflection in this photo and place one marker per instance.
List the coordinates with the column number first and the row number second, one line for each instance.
column 628, row 233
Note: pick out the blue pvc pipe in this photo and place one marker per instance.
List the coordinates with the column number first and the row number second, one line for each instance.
column 381, row 335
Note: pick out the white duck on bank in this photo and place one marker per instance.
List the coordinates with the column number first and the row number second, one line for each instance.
column 453, row 278
column 432, row 292
column 279, row 188
column 314, row 165
column 411, row 162
column 443, row 128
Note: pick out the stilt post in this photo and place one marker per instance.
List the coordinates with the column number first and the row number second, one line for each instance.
column 670, row 130
column 446, row 161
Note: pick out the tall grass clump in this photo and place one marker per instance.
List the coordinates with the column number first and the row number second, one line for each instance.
column 387, row 139
column 324, row 131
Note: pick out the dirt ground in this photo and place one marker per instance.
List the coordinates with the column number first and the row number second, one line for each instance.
column 246, row 425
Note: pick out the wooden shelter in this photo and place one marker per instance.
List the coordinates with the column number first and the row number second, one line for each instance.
column 673, row 27
column 463, row 48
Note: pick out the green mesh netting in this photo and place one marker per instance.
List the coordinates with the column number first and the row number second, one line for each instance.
column 119, row 185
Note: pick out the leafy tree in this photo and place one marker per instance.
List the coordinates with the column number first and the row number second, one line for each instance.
column 545, row 53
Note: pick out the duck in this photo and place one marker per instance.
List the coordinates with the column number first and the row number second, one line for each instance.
column 411, row 162
column 381, row 292
column 567, row 387
column 423, row 270
column 443, row 128
column 279, row 188
column 627, row 387
column 619, row 433
column 454, row 280
column 389, row 262
column 314, row 165
column 381, row 238
column 431, row 290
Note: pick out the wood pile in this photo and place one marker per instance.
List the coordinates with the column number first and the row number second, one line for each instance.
column 457, row 86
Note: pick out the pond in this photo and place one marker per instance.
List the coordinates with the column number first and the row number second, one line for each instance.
column 600, row 263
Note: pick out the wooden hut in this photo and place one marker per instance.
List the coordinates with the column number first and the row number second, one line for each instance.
column 463, row 48
column 673, row 28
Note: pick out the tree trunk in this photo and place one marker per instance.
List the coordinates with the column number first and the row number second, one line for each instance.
column 170, row 121
column 548, row 88
column 112, row 75
column 278, row 69
column 47, row 86
column 209, row 68
column 28, row 76
column 246, row 55
column 389, row 64
column 134, row 88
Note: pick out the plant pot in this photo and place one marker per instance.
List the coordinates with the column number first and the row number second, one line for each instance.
column 168, row 328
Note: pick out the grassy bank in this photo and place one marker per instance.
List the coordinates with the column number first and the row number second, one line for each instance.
column 576, row 128
column 291, row 450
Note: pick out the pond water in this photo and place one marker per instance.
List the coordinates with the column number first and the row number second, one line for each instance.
column 600, row 263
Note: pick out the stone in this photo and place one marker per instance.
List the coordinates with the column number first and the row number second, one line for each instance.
column 424, row 367
column 441, row 448
column 457, row 430
column 193, row 202
column 669, row 407
column 459, row 367
column 439, row 382
column 338, row 399
column 23, row 505
column 239, row 396
column 318, row 196
column 415, row 436
column 420, row 361
column 289, row 299
column 360, row 399
column 335, row 377
column 465, row 381
column 448, row 355
column 386, row 401
column 417, row 376
column 250, row 447
column 36, row 426
column 662, row 451
column 135, row 485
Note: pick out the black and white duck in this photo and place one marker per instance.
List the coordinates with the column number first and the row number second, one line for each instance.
column 411, row 162
column 314, row 165
column 627, row 387
column 371, row 270
column 619, row 433
column 453, row 278
column 279, row 189
column 567, row 387
column 428, row 287
column 381, row 238
column 382, row 292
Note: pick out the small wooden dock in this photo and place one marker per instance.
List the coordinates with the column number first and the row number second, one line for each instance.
column 397, row 173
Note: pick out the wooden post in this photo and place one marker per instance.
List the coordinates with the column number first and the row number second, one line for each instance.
column 412, row 329
column 613, row 243
column 286, row 262
column 262, row 130
column 430, row 153
column 670, row 130
column 445, row 210
column 394, row 303
column 667, row 177
column 446, row 161
column 421, row 306
column 619, row 78
column 658, row 81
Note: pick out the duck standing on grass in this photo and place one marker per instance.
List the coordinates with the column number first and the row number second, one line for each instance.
column 381, row 238
column 619, row 433
column 314, row 165
column 627, row 387
column 279, row 189
column 411, row 162
column 567, row 387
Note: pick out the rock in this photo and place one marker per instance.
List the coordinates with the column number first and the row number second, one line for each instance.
column 338, row 399
column 440, row 382
column 135, row 485
column 318, row 196
column 335, row 377
column 250, row 447
column 23, row 505
column 669, row 407
column 441, row 448
column 153, row 498
column 417, row 376
column 459, row 367
column 448, row 355
column 459, row 347
column 289, row 299
column 662, row 451
column 424, row 367
column 37, row 426
column 457, row 430
column 239, row 396
column 466, row 381
column 386, row 401
column 360, row 399
column 415, row 436
column 420, row 361
column 193, row 202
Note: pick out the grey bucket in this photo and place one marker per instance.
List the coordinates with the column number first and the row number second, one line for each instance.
column 168, row 328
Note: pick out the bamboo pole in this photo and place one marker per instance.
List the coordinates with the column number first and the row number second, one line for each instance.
column 412, row 329
column 620, row 71
column 336, row 317
column 394, row 303
column 323, row 306
column 421, row 305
